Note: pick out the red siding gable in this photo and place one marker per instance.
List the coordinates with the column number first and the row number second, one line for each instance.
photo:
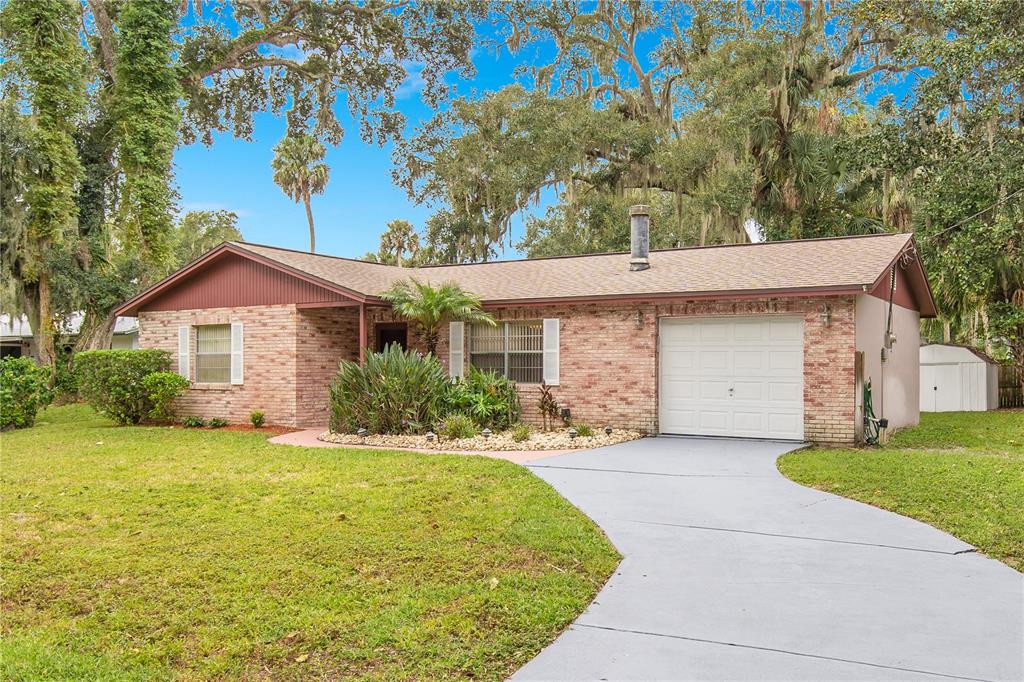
column 232, row 281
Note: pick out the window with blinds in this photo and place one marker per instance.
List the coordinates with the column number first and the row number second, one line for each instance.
column 512, row 349
column 213, row 354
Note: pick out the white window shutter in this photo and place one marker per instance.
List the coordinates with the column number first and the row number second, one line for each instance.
column 236, row 353
column 551, row 359
column 183, row 355
column 456, row 345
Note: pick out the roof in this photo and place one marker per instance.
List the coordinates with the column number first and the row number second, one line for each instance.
column 19, row 326
column 980, row 354
column 824, row 266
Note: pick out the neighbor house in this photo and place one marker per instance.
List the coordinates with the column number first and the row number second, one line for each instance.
column 767, row 340
column 16, row 338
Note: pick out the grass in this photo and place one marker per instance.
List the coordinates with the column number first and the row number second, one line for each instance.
column 962, row 472
column 157, row 553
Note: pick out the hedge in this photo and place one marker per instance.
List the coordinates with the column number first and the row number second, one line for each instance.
column 112, row 381
column 24, row 389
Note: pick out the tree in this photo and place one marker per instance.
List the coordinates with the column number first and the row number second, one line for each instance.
column 299, row 173
column 199, row 231
column 428, row 306
column 42, row 35
column 399, row 245
column 730, row 109
column 146, row 72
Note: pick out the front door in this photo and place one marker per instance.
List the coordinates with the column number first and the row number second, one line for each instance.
column 392, row 333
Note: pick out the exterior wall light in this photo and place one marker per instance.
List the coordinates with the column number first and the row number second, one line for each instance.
column 639, row 317
column 826, row 315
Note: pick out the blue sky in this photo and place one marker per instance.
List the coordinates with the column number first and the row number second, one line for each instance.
column 360, row 199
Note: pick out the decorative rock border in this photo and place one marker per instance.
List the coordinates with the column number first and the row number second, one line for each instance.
column 557, row 439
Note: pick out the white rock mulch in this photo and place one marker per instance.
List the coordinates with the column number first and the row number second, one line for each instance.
column 556, row 439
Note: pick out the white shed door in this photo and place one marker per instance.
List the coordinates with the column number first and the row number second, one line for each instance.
column 732, row 376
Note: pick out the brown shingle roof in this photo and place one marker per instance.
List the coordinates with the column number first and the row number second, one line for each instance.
column 811, row 264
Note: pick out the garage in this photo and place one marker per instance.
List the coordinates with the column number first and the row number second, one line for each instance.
column 732, row 376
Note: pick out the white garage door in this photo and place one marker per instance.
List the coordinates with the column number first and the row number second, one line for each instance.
column 732, row 376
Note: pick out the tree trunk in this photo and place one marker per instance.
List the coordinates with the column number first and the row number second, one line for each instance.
column 983, row 311
column 309, row 218
column 947, row 331
column 96, row 331
column 43, row 332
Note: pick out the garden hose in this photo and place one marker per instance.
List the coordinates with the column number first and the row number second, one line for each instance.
column 870, row 423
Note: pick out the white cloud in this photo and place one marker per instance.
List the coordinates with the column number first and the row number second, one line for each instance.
column 413, row 83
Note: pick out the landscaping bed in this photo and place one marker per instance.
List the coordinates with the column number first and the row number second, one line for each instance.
column 154, row 553
column 555, row 439
column 962, row 472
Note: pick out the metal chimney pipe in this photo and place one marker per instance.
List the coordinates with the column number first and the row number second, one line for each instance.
column 639, row 237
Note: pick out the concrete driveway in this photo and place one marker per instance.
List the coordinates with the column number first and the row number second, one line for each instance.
column 732, row 572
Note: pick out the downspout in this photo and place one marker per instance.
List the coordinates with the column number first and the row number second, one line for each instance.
column 362, row 332
column 887, row 342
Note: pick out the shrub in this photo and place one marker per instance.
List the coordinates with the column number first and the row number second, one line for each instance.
column 193, row 422
column 256, row 417
column 459, row 426
column 24, row 390
column 584, row 431
column 391, row 392
column 520, row 433
column 489, row 398
column 548, row 406
column 163, row 388
column 111, row 381
column 216, row 423
column 65, row 380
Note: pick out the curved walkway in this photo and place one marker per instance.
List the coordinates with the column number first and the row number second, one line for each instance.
column 733, row 572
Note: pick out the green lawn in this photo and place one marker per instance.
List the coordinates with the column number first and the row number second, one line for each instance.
column 962, row 472
column 156, row 553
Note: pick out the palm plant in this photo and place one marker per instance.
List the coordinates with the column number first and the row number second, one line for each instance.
column 427, row 307
column 298, row 171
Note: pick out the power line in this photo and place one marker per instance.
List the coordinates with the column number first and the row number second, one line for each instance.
column 970, row 218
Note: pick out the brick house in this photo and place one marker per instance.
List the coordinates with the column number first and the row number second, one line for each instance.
column 767, row 340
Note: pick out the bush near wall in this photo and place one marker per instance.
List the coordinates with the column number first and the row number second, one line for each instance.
column 24, row 389
column 400, row 391
column 111, row 381
column 394, row 391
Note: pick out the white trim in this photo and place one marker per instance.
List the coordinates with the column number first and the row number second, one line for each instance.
column 184, row 332
column 237, row 360
column 456, row 349
column 551, row 351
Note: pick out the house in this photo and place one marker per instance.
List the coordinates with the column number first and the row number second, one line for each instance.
column 766, row 340
column 16, row 334
column 957, row 378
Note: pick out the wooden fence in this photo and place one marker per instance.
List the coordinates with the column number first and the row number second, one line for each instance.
column 1010, row 392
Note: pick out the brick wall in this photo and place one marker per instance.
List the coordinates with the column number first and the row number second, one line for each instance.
column 609, row 370
column 324, row 337
column 608, row 373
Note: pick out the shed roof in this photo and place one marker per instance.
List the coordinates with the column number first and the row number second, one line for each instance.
column 824, row 266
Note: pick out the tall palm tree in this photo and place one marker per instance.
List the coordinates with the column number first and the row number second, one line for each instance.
column 299, row 173
column 427, row 307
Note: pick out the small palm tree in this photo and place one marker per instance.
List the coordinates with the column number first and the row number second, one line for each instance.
column 298, row 171
column 427, row 307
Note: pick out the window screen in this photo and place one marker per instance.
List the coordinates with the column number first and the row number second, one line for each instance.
column 213, row 354
column 512, row 349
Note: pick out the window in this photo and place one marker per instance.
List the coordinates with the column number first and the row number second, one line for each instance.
column 213, row 354
column 512, row 349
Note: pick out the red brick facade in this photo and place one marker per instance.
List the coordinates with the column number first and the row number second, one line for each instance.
column 608, row 359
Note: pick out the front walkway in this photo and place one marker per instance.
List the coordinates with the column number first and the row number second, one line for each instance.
column 733, row 572
column 308, row 438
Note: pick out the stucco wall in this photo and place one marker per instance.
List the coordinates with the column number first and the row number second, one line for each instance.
column 895, row 384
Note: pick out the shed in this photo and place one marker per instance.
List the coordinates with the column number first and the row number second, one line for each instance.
column 957, row 378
